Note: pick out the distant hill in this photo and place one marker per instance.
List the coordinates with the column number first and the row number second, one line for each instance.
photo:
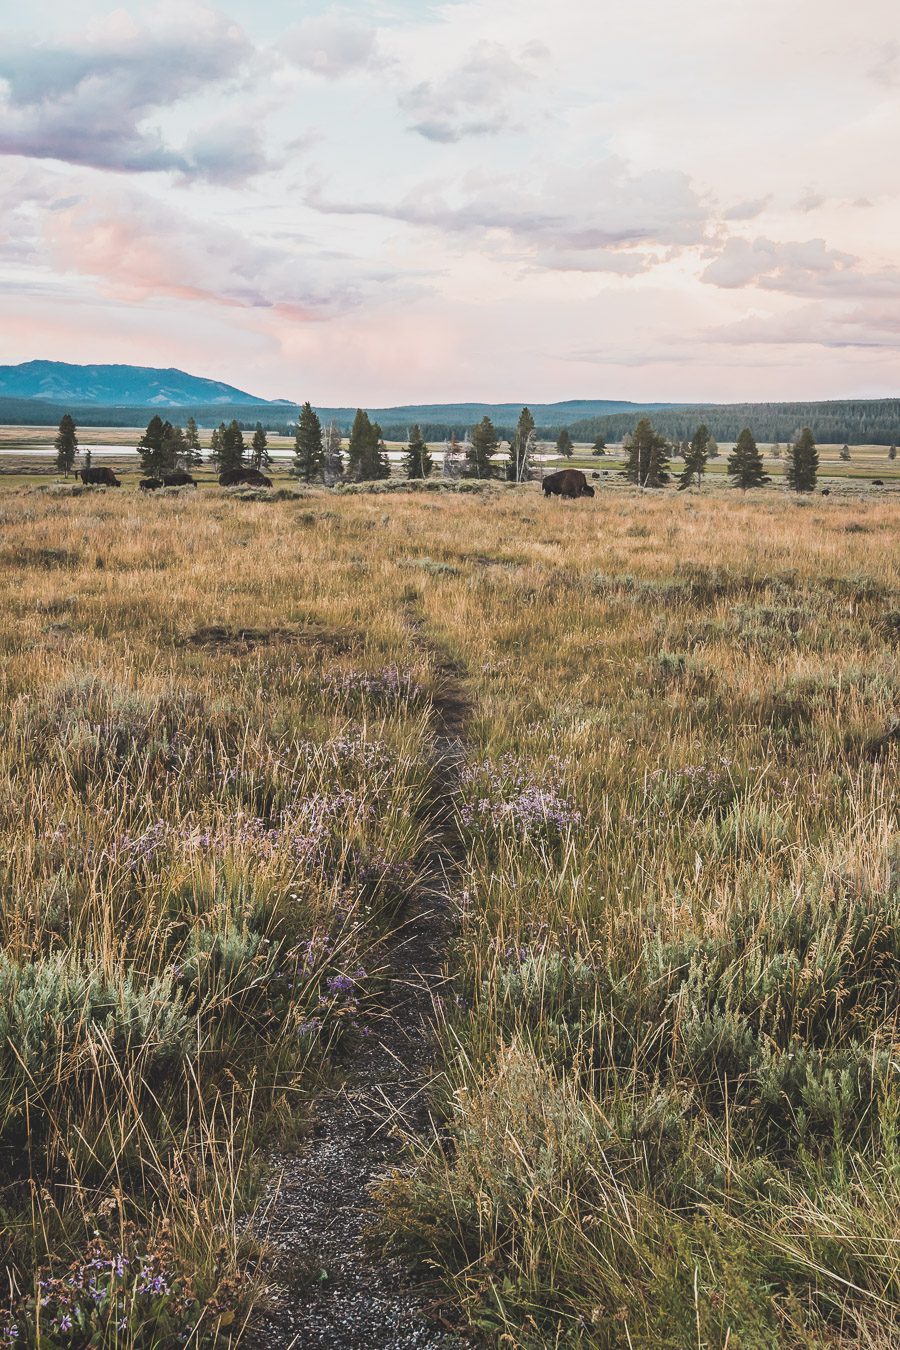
column 871, row 421
column 118, row 386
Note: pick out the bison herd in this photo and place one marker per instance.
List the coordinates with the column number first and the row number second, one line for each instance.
column 103, row 477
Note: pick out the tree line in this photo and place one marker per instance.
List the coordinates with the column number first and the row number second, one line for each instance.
column 648, row 462
column 859, row 422
column 319, row 454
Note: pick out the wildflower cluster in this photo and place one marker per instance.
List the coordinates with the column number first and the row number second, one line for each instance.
column 506, row 795
column 390, row 684
column 115, row 1293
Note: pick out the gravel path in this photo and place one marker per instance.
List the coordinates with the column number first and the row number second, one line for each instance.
column 336, row 1290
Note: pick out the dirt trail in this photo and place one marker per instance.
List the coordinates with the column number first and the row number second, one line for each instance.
column 344, row 1293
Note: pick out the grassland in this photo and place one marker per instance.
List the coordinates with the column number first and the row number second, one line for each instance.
column 669, row 1076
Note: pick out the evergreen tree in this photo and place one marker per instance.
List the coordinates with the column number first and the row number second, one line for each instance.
column 174, row 449
column 564, row 444
column 231, row 447
column 892, row 452
column 803, row 464
column 647, row 459
column 484, row 444
column 358, row 449
column 309, row 449
column 381, row 460
column 88, row 458
column 215, row 446
column 66, row 444
column 845, row 452
column 193, row 453
column 367, row 456
column 776, row 450
column 154, row 448
column 745, row 465
column 417, row 461
column 259, row 449
column 695, row 456
column 599, row 446
column 521, row 448
column 334, row 457
column 713, row 450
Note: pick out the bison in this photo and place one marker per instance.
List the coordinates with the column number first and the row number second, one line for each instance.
column 244, row 478
column 878, row 482
column 101, row 477
column 567, row 483
column 178, row 479
column 150, row 484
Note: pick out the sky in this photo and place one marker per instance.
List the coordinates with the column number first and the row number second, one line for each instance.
column 393, row 202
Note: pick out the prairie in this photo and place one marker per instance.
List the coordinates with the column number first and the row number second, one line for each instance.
column 667, row 1061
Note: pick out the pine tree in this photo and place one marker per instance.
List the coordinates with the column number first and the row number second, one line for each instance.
column 695, row 456
column 334, row 457
column 193, row 453
column 66, row 444
column 484, row 444
column 599, row 446
column 647, row 459
column 564, row 444
column 845, row 452
column 417, row 461
column 713, row 450
column 803, row 464
column 745, row 465
column 154, row 448
column 88, row 458
column 259, row 449
column 358, row 449
column 892, row 452
column 174, row 449
column 367, row 456
column 521, row 448
column 231, row 447
column 309, row 450
column 381, row 462
column 215, row 446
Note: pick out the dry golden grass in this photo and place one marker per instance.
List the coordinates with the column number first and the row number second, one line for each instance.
column 680, row 823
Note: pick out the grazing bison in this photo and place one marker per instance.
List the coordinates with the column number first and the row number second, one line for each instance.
column 150, row 484
column 244, row 478
column 878, row 482
column 102, row 477
column 826, row 492
column 178, row 479
column 567, row 483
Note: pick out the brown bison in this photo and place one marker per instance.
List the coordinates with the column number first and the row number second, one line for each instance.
column 150, row 484
column 567, row 483
column 101, row 477
column 178, row 479
column 244, row 478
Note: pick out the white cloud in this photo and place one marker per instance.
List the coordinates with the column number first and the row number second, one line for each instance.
column 332, row 46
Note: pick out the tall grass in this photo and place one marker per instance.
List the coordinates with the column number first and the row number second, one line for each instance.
column 669, row 1065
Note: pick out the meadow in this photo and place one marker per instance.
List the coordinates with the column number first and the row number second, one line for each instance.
column 667, row 1062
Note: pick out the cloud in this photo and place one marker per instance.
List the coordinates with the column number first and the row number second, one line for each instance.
column 565, row 218
column 809, row 268
column 748, row 210
column 139, row 253
column 332, row 46
column 475, row 97
column 866, row 326
column 89, row 102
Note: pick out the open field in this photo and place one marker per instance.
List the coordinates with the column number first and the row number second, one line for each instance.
column 667, row 1069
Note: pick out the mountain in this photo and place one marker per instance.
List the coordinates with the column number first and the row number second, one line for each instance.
column 118, row 386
